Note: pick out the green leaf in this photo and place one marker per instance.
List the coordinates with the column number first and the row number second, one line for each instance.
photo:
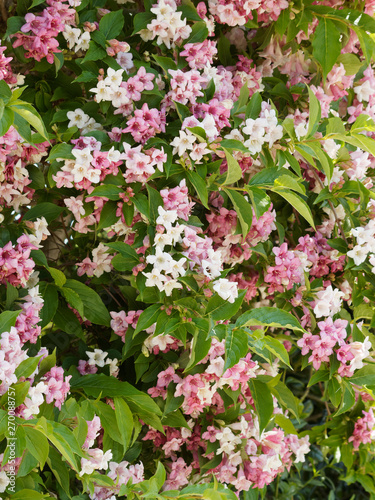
column 21, row 390
column 111, row 24
column 234, row 145
column 124, row 418
column 175, row 419
column 59, row 468
column 326, row 44
column 138, row 401
column 166, row 63
column 234, row 172
column 348, row 398
column 29, row 494
column 63, row 439
column 319, row 376
column 334, row 391
column 269, row 316
column 108, row 215
column 324, row 159
column 154, row 201
column 200, row 347
column 286, row 398
column 148, row 318
column 45, row 209
column 94, row 53
column 26, row 111
column 37, row 444
column 315, row 113
column 63, row 151
column 199, row 185
column 5, row 90
column 73, row 299
column 347, row 455
column 242, row 100
column 27, row 367
column 141, row 20
column 199, row 33
column 220, row 309
column 6, row 120
column 46, row 364
column 7, row 320
column 94, row 309
column 243, row 209
column 236, row 346
column 260, row 200
column 108, row 191
column 263, row 402
column 50, row 305
column 108, row 420
column 351, row 63
column 254, row 107
column 285, row 423
column 363, row 376
column 297, row 203
column 277, row 348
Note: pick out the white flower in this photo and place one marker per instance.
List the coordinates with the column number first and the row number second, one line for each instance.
column 41, row 228
column 175, row 233
column 360, row 350
column 166, row 217
column 83, row 156
column 77, row 118
column 226, row 289
column 364, row 91
column 80, row 172
column 113, row 368
column 4, row 481
column 97, row 357
column 176, row 268
column 125, row 60
column 71, row 35
column 212, row 266
column 301, row 130
column 90, row 126
column 169, row 286
column 114, row 78
column 331, row 148
column 155, row 278
column 103, row 93
column 182, row 143
column 358, row 254
column 83, row 42
column 161, row 260
column 328, row 302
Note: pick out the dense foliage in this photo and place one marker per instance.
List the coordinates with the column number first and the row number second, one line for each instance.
column 187, row 249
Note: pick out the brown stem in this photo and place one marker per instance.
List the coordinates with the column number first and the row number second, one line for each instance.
column 3, row 11
column 113, row 297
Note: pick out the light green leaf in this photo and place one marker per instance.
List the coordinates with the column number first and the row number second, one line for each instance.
column 26, row 111
column 37, row 444
column 315, row 113
column 326, row 44
column 298, row 203
column 236, row 346
column 269, row 316
column 243, row 209
column 220, row 309
column 94, row 309
column 263, row 402
column 124, row 419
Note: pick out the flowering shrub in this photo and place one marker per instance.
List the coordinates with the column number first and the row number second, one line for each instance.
column 187, row 249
